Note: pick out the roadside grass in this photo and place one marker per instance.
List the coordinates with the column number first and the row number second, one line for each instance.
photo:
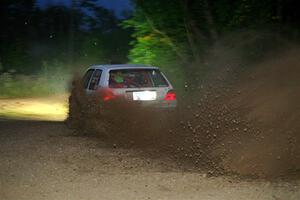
column 16, row 85
column 52, row 79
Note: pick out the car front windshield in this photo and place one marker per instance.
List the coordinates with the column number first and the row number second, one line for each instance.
column 136, row 78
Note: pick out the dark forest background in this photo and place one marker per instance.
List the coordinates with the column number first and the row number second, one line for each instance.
column 41, row 48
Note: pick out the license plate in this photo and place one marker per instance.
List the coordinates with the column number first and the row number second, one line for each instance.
column 144, row 96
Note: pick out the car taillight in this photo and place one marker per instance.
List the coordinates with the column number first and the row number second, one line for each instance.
column 108, row 95
column 170, row 96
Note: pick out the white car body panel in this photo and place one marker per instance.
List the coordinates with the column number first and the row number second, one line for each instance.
column 161, row 92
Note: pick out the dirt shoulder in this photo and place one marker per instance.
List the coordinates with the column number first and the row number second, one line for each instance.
column 45, row 160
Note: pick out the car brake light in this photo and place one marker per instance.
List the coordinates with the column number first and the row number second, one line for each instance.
column 108, row 95
column 107, row 98
column 170, row 96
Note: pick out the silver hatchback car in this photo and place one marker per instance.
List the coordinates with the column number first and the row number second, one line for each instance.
column 145, row 85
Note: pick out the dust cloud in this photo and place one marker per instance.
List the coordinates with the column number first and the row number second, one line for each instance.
column 242, row 118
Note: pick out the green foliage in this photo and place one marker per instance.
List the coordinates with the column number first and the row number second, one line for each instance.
column 43, row 46
column 15, row 55
column 92, row 49
column 172, row 34
column 157, row 25
column 168, row 34
column 52, row 79
column 82, row 33
column 22, row 85
column 160, row 37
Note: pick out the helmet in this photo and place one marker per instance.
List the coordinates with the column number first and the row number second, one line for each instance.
column 119, row 78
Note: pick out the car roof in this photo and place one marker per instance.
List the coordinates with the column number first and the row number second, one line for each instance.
column 120, row 66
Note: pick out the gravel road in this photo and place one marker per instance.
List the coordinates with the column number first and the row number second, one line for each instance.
column 46, row 160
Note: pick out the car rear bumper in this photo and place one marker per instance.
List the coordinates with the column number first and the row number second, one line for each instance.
column 164, row 105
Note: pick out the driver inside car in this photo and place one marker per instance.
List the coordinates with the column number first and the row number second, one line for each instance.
column 117, row 80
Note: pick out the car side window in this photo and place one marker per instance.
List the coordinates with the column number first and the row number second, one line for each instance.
column 158, row 79
column 87, row 77
column 95, row 79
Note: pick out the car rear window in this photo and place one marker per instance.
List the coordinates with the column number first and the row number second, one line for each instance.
column 136, row 78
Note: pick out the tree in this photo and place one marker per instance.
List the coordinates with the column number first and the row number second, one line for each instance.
column 14, row 33
column 185, row 28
